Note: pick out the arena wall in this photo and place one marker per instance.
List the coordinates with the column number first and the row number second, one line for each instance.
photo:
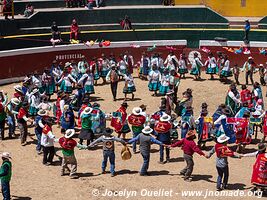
column 234, row 8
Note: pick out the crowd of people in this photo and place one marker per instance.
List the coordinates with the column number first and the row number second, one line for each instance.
column 174, row 124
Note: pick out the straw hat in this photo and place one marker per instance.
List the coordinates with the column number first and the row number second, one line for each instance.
column 67, row 64
column 15, row 101
column 18, row 88
column 147, row 130
column 223, row 138
column 42, row 113
column 165, row 118
column 35, row 90
column 6, row 155
column 190, row 133
column 137, row 111
column 87, row 110
column 69, row 133
column 250, row 58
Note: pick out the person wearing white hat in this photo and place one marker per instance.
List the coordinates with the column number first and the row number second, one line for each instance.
column 19, row 93
column 68, row 144
column 42, row 115
column 5, row 175
column 86, row 121
column 12, row 110
column 48, row 83
column 137, row 120
column 145, row 140
column 248, row 67
column 162, row 131
column 222, row 152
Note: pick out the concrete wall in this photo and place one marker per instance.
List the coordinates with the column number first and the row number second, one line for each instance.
column 244, row 8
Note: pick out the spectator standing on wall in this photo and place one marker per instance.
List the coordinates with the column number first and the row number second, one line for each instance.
column 7, row 8
column 246, row 29
column 126, row 23
column 99, row 3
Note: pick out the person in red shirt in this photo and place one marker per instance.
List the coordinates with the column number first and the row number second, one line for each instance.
column 246, row 96
column 74, row 30
column 119, row 121
column 22, row 119
column 189, row 147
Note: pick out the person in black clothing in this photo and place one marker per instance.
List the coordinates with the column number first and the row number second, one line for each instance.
column 246, row 29
column 56, row 35
column 126, row 23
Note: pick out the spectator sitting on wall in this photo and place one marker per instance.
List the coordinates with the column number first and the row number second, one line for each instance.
column 168, row 2
column 90, row 4
column 56, row 35
column 74, row 31
column 126, row 24
column 28, row 10
column 7, row 8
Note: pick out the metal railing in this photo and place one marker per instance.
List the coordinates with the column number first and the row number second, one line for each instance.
column 12, row 9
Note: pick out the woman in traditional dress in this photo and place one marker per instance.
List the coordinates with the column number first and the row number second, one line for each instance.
column 87, row 82
column 104, row 66
column 182, row 70
column 48, row 83
column 34, row 101
column 171, row 61
column 233, row 99
column 153, row 78
column 226, row 70
column 164, row 82
column 122, row 65
column 196, row 67
column 129, row 87
column 66, row 81
column 212, row 67
column 145, row 65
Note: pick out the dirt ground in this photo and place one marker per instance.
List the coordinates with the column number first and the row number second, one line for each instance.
column 32, row 180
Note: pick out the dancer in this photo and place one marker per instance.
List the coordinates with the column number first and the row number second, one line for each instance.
column 129, row 87
column 222, row 152
column 189, row 148
column 212, row 67
column 108, row 149
column 145, row 140
column 183, row 65
column 196, row 67
column 153, row 80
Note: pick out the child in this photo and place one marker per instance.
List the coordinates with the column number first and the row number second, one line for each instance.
column 129, row 87
column 145, row 140
column 236, row 73
column 108, row 149
column 222, row 152
column 189, row 147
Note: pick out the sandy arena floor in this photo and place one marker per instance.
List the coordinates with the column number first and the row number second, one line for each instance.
column 32, row 180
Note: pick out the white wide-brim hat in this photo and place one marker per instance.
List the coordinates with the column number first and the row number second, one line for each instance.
column 165, row 118
column 87, row 110
column 35, row 90
column 223, row 138
column 42, row 113
column 69, row 133
column 15, row 101
column 18, row 88
column 6, row 155
column 147, row 130
column 137, row 111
